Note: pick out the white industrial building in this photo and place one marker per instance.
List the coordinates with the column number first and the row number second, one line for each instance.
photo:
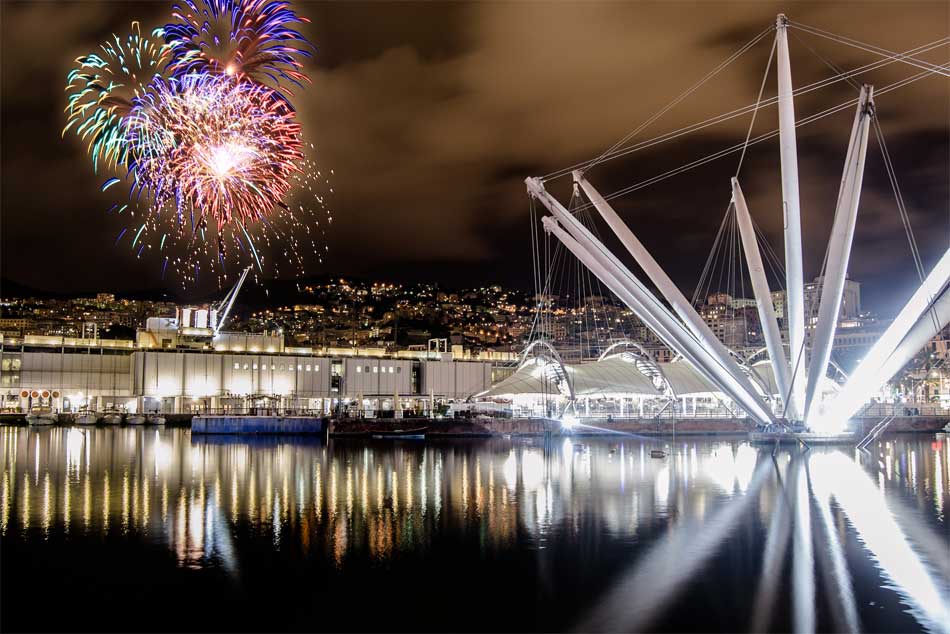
column 72, row 374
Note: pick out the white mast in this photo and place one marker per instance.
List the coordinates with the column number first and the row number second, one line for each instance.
column 624, row 284
column 672, row 334
column 794, row 277
column 895, row 347
column 760, row 287
column 672, row 294
column 839, row 248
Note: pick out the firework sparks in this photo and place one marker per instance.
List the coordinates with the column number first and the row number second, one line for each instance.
column 291, row 240
column 216, row 146
column 103, row 88
column 199, row 118
column 254, row 39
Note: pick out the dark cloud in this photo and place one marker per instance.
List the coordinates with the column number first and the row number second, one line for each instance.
column 432, row 114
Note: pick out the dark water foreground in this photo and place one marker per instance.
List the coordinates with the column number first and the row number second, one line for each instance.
column 142, row 530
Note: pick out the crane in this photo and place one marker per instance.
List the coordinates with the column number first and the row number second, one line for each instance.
column 228, row 302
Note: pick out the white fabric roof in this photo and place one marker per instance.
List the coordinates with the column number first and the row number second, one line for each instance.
column 685, row 379
column 763, row 370
column 614, row 376
column 610, row 376
column 524, row 381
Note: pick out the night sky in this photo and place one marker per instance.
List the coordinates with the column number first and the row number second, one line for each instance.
column 432, row 114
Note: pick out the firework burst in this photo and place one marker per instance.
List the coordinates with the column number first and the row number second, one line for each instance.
column 253, row 39
column 213, row 148
column 291, row 240
column 102, row 90
column 198, row 118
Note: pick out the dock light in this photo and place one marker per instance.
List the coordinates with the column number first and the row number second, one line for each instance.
column 568, row 422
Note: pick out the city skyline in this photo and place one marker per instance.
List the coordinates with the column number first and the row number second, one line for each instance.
column 446, row 201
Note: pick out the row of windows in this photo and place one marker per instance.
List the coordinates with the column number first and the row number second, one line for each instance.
column 289, row 368
column 376, row 369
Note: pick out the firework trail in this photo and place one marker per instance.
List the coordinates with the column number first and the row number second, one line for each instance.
column 102, row 90
column 252, row 39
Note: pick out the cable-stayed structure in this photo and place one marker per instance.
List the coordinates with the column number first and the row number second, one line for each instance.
column 789, row 325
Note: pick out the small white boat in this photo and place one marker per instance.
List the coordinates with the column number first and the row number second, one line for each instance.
column 112, row 418
column 135, row 419
column 86, row 418
column 41, row 416
column 155, row 419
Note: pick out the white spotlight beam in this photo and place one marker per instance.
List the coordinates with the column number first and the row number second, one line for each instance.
column 839, row 248
column 664, row 284
column 595, row 256
column 760, row 286
column 794, row 276
column 906, row 335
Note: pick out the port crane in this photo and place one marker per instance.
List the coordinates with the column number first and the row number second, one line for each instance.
column 227, row 303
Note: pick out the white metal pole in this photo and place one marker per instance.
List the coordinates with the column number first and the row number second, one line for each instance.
column 653, row 314
column 917, row 337
column 875, row 369
column 839, row 248
column 669, row 290
column 794, row 275
column 669, row 332
column 760, row 287
column 699, row 329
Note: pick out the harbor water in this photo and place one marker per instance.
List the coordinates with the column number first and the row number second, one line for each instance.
column 153, row 529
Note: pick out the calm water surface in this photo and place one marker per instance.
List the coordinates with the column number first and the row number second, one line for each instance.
column 153, row 529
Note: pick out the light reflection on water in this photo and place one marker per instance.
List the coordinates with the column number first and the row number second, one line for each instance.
column 645, row 536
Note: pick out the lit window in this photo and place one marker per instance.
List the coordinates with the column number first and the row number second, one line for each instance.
column 299, row 367
column 272, row 367
column 308, row 368
column 359, row 369
column 390, row 369
column 316, row 368
column 237, row 366
column 375, row 369
column 255, row 366
column 245, row 366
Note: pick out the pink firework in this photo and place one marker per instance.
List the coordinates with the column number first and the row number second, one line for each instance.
column 214, row 148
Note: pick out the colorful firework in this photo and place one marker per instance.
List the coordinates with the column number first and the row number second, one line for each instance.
column 254, row 39
column 200, row 122
column 213, row 146
column 293, row 236
column 102, row 90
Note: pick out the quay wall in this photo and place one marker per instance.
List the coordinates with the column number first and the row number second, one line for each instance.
column 900, row 424
column 448, row 427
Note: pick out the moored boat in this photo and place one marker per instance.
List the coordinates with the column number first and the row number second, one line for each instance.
column 41, row 416
column 86, row 418
column 155, row 419
column 416, row 433
column 112, row 418
column 135, row 419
